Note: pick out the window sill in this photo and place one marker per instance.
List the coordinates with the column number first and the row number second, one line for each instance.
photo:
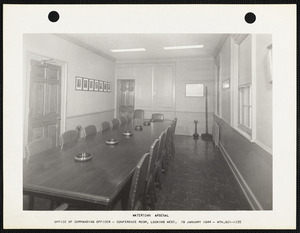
column 244, row 134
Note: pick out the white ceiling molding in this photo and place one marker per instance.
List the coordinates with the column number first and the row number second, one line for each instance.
column 220, row 44
column 173, row 59
column 85, row 46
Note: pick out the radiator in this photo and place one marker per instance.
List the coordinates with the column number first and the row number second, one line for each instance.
column 216, row 133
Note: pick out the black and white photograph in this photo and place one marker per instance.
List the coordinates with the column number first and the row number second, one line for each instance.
column 104, row 86
column 100, row 85
column 187, row 139
column 96, row 88
column 108, row 87
column 78, row 83
column 85, row 86
column 91, row 84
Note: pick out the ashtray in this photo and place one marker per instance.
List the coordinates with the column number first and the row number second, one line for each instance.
column 127, row 133
column 146, row 123
column 83, row 157
column 112, row 141
column 152, row 120
column 138, row 127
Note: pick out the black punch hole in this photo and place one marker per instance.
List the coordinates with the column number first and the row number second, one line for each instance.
column 53, row 16
column 250, row 17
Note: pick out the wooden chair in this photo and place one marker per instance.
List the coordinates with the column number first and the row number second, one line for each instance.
column 157, row 116
column 150, row 188
column 137, row 193
column 105, row 125
column 161, row 154
column 172, row 149
column 138, row 113
column 90, row 130
column 115, row 123
column 123, row 120
column 166, row 158
column 68, row 137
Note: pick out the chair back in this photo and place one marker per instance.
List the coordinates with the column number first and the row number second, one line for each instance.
column 90, row 130
column 168, row 136
column 68, row 137
column 174, row 123
column 138, row 113
column 161, row 147
column 153, row 157
column 115, row 123
column 39, row 145
column 105, row 126
column 137, row 193
column 157, row 116
column 123, row 120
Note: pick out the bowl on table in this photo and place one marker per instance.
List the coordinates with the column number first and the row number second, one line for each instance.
column 127, row 133
column 83, row 157
column 112, row 141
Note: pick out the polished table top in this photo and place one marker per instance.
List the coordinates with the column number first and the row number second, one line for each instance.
column 55, row 173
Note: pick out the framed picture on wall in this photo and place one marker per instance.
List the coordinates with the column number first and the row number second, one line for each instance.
column 194, row 89
column 108, row 87
column 78, row 83
column 96, row 87
column 91, row 84
column 104, row 86
column 100, row 85
column 85, row 84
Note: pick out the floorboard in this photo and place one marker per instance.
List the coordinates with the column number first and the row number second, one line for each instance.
column 199, row 179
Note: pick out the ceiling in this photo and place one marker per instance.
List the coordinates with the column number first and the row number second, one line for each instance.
column 153, row 43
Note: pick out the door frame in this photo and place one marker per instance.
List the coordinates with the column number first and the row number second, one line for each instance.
column 26, row 87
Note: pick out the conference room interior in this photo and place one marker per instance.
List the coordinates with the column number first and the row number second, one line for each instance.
column 147, row 122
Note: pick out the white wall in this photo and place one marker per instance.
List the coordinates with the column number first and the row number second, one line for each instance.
column 189, row 109
column 186, row 109
column 225, row 58
column 264, row 92
column 83, row 107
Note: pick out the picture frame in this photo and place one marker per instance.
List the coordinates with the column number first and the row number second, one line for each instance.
column 96, row 85
column 78, row 83
column 194, row 90
column 105, row 86
column 85, row 85
column 108, row 87
column 91, row 84
column 100, row 85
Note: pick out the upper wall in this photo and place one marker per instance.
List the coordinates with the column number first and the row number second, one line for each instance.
column 264, row 92
column 79, row 62
column 225, row 63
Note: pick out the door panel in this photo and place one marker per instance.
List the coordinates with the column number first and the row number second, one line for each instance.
column 38, row 132
column 144, row 86
column 164, row 84
column 44, row 104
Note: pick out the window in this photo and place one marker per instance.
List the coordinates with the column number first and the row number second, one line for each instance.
column 245, row 110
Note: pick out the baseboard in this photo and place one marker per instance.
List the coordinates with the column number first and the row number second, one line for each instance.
column 252, row 200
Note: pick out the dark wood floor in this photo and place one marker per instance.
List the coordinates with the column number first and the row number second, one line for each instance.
column 199, row 179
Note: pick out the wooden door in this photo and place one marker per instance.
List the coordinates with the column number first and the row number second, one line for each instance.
column 45, row 101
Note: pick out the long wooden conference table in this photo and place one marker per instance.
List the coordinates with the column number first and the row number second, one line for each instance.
column 95, row 184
